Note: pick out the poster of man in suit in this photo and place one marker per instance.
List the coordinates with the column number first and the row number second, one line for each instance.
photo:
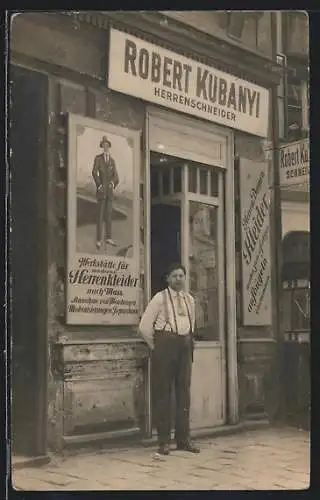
column 104, row 192
column 103, row 223
column 106, row 178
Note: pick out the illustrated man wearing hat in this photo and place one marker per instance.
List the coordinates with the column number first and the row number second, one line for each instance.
column 105, row 176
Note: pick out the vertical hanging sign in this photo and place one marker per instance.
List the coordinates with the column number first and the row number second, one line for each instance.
column 255, row 243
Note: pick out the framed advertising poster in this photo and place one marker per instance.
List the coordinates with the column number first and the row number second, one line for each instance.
column 255, row 243
column 103, row 254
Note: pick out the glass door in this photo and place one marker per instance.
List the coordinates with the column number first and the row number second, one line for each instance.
column 187, row 177
column 205, row 248
column 203, row 268
column 187, row 225
column 204, row 252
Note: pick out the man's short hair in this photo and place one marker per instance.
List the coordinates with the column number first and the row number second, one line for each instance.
column 174, row 266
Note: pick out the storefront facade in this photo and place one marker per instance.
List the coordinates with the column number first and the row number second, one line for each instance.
column 189, row 135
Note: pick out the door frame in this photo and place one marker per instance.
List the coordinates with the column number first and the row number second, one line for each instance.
column 40, row 447
column 200, row 130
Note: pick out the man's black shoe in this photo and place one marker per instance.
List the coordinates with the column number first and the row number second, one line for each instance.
column 164, row 449
column 192, row 448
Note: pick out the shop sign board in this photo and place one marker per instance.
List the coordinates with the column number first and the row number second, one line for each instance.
column 294, row 163
column 255, row 243
column 152, row 73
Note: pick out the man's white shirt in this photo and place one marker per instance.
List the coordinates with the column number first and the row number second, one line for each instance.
column 154, row 316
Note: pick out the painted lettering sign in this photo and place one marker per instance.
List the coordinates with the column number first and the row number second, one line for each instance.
column 255, row 243
column 144, row 70
column 294, row 163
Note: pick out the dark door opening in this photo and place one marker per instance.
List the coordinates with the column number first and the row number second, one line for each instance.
column 165, row 242
column 165, row 249
column 28, row 266
column 165, row 236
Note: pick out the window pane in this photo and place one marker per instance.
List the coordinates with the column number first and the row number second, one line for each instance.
column 166, row 181
column 236, row 22
column 214, row 185
column 192, row 173
column 294, row 93
column 177, row 179
column 281, row 117
column 154, row 182
column 297, row 34
column 203, row 181
column 294, row 117
column 294, row 107
column 301, row 309
column 250, row 31
column 203, row 269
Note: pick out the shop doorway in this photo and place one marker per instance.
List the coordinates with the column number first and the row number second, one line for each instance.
column 165, row 241
column 187, row 225
column 28, row 267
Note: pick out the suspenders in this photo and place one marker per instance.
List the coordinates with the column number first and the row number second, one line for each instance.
column 166, row 310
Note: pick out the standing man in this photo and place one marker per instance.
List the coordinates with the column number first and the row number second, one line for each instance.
column 167, row 326
column 105, row 176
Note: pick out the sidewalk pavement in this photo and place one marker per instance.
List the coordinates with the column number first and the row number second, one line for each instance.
column 271, row 458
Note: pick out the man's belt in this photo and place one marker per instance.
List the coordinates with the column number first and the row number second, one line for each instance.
column 170, row 332
column 165, row 331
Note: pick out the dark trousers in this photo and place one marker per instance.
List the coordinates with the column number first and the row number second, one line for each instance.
column 104, row 216
column 172, row 363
